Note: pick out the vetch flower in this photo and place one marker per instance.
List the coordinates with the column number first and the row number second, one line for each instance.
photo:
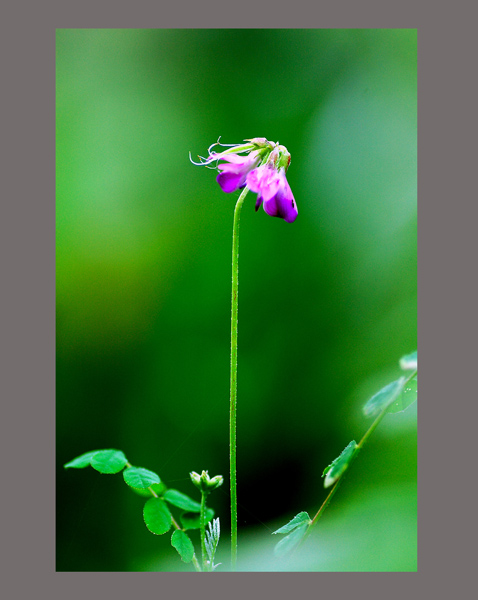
column 270, row 184
column 261, row 165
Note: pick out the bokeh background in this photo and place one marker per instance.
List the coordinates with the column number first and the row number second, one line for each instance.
column 327, row 305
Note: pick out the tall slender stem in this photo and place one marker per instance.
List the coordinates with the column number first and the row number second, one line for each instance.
column 233, row 397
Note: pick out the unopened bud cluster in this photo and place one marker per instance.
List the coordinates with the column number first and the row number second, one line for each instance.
column 206, row 483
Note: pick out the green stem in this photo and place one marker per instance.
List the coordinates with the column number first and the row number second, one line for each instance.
column 373, row 426
column 324, row 505
column 360, row 445
column 196, row 564
column 203, row 529
column 233, row 397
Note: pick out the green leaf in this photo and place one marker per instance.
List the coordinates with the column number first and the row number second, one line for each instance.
column 139, row 478
column 339, row 465
column 158, row 489
column 183, row 545
column 299, row 519
column 382, row 399
column 157, row 517
column 109, row 461
column 406, row 398
column 182, row 501
column 192, row 520
column 409, row 362
column 80, row 462
column 290, row 541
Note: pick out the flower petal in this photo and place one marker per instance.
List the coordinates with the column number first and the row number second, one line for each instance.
column 234, row 173
column 265, row 181
column 258, row 202
column 230, row 181
column 282, row 204
column 231, row 168
column 232, row 158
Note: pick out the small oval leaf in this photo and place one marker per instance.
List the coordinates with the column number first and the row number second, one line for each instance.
column 290, row 541
column 192, row 520
column 406, row 398
column 180, row 500
column 109, row 461
column 139, row 478
column 299, row 519
column 80, row 462
column 156, row 516
column 382, row 399
column 340, row 464
column 183, row 545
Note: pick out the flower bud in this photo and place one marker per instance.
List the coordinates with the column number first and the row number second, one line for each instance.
column 216, row 482
column 206, row 483
column 195, row 478
column 261, row 143
column 284, row 158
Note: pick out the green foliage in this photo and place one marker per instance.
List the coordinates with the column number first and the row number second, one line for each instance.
column 296, row 529
column 156, row 516
column 394, row 397
column 398, row 395
column 80, row 462
column 298, row 520
column 291, row 541
column 406, row 398
column 157, row 488
column 338, row 466
column 183, row 545
column 139, row 478
column 192, row 520
column 105, row 461
column 180, row 500
column 384, row 398
column 109, row 461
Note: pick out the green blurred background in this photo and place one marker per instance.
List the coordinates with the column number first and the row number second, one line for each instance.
column 327, row 305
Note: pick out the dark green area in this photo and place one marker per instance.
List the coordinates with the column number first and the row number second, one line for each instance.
column 327, row 305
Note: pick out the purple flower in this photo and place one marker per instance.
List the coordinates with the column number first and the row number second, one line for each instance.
column 262, row 169
column 233, row 175
column 274, row 191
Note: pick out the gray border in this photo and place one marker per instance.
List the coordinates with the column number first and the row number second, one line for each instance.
column 28, row 201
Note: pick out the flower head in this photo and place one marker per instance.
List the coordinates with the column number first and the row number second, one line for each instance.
column 204, row 482
column 262, row 168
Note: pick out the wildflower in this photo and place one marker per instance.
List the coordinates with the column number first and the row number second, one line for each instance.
column 262, row 169
column 270, row 184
